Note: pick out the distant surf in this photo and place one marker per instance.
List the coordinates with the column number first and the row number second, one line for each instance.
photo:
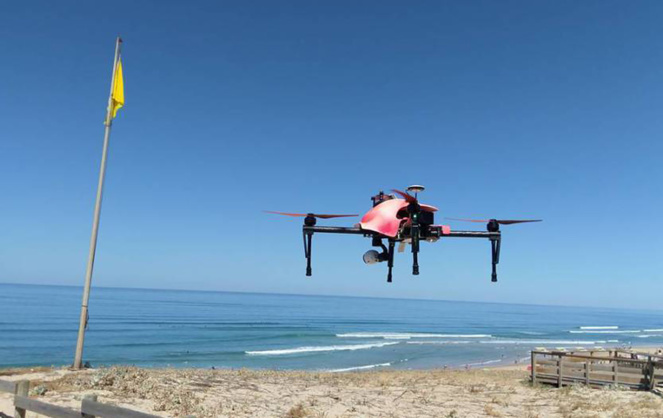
column 350, row 369
column 407, row 335
column 585, row 331
column 602, row 327
column 543, row 342
column 301, row 350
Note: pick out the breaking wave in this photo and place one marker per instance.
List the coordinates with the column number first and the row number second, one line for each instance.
column 586, row 331
column 604, row 327
column 300, row 350
column 543, row 342
column 350, row 369
column 407, row 335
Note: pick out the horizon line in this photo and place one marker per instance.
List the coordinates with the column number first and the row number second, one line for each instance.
column 333, row 296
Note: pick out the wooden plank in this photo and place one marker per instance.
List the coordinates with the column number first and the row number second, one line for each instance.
column 546, row 362
column 92, row 398
column 559, row 371
column 652, row 376
column 553, row 380
column 573, row 366
column 602, row 368
column 109, row 411
column 22, row 389
column 645, row 356
column 587, row 357
column 43, row 408
column 9, row 387
column 631, row 370
column 533, row 367
column 547, row 370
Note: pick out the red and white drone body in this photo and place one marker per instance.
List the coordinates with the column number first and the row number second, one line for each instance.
column 403, row 221
column 387, row 217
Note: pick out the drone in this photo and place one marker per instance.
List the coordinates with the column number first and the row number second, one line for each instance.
column 401, row 220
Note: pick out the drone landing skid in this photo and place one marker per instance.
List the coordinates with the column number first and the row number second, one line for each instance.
column 430, row 233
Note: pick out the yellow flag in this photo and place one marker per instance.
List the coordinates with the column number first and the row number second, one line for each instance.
column 117, row 96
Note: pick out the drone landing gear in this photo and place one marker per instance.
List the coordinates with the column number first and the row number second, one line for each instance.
column 415, row 250
column 308, row 240
column 386, row 255
column 390, row 259
column 309, row 229
column 493, row 226
column 495, row 247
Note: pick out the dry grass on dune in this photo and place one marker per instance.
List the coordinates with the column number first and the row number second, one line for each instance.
column 389, row 393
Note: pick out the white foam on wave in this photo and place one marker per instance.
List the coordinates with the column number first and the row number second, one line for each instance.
column 649, row 335
column 653, row 330
column 300, row 350
column 542, row 342
column 407, row 335
column 575, row 331
column 512, row 342
column 350, row 369
column 602, row 327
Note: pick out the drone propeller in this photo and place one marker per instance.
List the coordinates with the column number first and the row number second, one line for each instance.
column 408, row 197
column 499, row 221
column 315, row 215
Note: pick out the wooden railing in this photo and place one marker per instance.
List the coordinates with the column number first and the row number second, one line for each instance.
column 90, row 408
column 597, row 369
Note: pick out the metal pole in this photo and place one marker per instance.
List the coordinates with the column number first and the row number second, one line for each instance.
column 78, row 359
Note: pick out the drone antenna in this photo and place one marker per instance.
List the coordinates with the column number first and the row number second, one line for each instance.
column 416, row 189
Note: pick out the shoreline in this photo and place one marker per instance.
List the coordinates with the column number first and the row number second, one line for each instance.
column 507, row 362
column 491, row 363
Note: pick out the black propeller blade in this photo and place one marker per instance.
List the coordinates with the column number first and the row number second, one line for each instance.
column 315, row 215
column 499, row 221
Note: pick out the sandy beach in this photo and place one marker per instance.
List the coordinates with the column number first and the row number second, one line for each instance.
column 490, row 392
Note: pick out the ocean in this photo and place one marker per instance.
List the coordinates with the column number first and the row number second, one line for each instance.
column 173, row 328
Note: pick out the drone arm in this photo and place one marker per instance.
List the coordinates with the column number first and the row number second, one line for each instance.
column 471, row 234
column 335, row 230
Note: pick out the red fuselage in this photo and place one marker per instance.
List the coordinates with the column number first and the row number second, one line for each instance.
column 387, row 217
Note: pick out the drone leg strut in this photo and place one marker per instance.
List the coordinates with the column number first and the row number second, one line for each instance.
column 390, row 260
column 308, row 239
column 495, row 247
column 415, row 250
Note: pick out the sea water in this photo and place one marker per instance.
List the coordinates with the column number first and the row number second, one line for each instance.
column 169, row 328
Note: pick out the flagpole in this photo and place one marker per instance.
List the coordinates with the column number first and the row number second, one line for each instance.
column 78, row 359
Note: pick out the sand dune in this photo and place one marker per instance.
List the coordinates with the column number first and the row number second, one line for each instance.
column 501, row 392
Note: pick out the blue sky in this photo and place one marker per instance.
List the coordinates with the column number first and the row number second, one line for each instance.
column 547, row 109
